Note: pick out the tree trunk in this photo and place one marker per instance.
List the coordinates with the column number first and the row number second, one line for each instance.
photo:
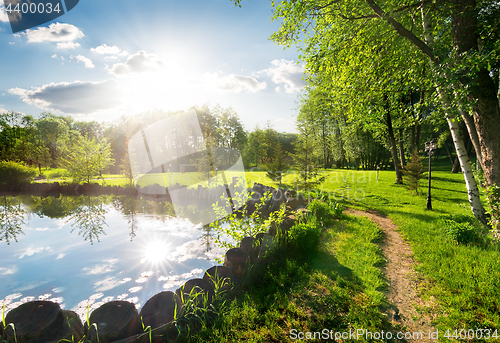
column 471, row 128
column 472, row 190
column 392, row 140
column 482, row 92
column 401, row 149
column 456, row 166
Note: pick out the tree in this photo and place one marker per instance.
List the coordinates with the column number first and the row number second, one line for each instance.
column 51, row 131
column 278, row 167
column 461, row 66
column 306, row 153
column 88, row 158
column 414, row 172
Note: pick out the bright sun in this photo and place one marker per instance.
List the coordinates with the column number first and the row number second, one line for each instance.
column 172, row 89
column 156, row 252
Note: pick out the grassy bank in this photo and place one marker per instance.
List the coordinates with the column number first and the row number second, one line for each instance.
column 315, row 292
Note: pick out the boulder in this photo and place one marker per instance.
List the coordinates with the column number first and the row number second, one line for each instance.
column 287, row 223
column 277, row 199
column 160, row 309
column 199, row 290
column 114, row 320
column 236, row 260
column 297, row 202
column 41, row 321
column 220, row 277
column 251, row 246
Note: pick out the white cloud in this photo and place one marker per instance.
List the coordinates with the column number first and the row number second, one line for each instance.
column 61, row 255
column 193, row 250
column 56, row 32
column 4, row 18
column 30, row 251
column 12, row 43
column 54, row 56
column 8, row 271
column 87, row 61
column 68, row 45
column 72, row 98
column 288, row 73
column 3, row 110
column 107, row 284
column 240, row 83
column 140, row 62
column 106, row 267
column 106, row 50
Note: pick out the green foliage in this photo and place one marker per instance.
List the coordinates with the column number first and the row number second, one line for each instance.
column 493, row 197
column 15, row 173
column 55, row 173
column 304, row 237
column 461, row 232
column 414, row 172
column 325, row 212
column 278, row 167
column 238, row 227
column 260, row 146
column 306, row 155
column 88, row 158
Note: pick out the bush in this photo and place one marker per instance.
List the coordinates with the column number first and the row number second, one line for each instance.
column 324, row 212
column 461, row 232
column 56, row 173
column 304, row 237
column 414, row 172
column 15, row 173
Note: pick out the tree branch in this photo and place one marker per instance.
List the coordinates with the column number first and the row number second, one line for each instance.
column 403, row 31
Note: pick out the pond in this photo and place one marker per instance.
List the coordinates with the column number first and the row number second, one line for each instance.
column 83, row 251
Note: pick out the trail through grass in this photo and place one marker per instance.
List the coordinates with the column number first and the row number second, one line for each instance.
column 460, row 279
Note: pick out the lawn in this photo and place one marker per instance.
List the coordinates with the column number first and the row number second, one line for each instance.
column 459, row 279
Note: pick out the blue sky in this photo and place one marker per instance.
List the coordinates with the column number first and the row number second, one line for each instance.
column 106, row 58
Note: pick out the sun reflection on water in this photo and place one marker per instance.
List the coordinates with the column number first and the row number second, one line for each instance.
column 155, row 252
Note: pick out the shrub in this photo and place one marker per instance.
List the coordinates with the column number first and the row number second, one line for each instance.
column 325, row 212
column 414, row 172
column 461, row 232
column 304, row 237
column 15, row 173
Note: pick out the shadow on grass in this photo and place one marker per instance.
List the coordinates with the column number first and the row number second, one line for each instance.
column 447, row 180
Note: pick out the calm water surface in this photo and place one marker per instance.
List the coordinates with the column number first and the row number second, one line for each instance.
column 85, row 251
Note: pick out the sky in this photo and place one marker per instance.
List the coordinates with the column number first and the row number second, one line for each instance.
column 108, row 58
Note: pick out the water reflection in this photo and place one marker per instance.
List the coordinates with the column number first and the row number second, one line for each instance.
column 88, row 217
column 139, row 249
column 11, row 219
column 207, row 238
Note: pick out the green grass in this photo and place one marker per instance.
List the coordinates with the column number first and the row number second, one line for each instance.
column 352, row 241
column 307, row 290
column 459, row 279
column 61, row 175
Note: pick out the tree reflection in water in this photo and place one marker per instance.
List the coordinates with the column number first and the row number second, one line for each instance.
column 88, row 214
column 11, row 219
column 207, row 238
column 131, row 206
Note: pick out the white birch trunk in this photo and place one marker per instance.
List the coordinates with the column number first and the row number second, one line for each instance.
column 470, row 182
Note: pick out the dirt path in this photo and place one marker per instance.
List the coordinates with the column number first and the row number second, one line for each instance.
column 401, row 277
